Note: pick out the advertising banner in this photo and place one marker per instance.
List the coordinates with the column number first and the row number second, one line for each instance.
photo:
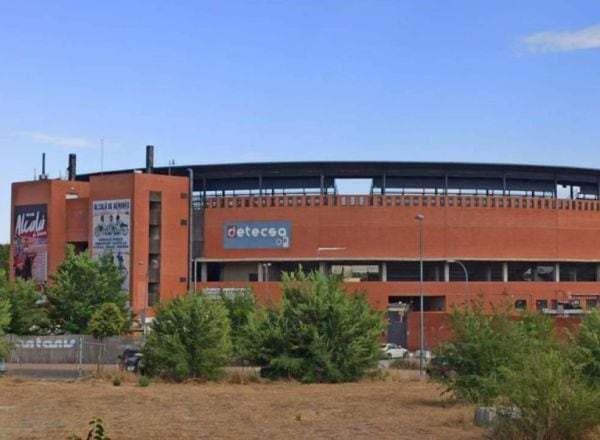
column 257, row 235
column 111, row 221
column 30, row 256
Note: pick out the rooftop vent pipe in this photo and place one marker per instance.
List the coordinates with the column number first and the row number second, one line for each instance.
column 149, row 158
column 72, row 170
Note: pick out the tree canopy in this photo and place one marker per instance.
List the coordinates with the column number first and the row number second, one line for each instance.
column 318, row 333
column 190, row 339
column 26, row 306
column 81, row 285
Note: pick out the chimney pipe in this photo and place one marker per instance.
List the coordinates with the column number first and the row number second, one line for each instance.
column 72, row 170
column 43, row 175
column 149, row 158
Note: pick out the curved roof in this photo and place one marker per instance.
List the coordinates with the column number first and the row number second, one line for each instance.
column 386, row 176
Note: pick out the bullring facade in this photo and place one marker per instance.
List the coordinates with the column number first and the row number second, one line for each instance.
column 528, row 235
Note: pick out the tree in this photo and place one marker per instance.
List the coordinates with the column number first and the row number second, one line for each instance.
column 4, row 263
column 241, row 309
column 189, row 339
column 317, row 333
column 28, row 313
column 4, row 324
column 586, row 348
column 105, row 322
column 553, row 400
column 483, row 344
column 81, row 285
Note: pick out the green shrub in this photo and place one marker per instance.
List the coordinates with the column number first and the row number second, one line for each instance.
column 117, row 381
column 483, row 344
column 189, row 339
column 317, row 333
column 241, row 309
column 586, row 348
column 96, row 432
column 143, row 381
column 552, row 399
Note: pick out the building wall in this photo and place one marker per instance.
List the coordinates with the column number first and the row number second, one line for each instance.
column 53, row 193
column 391, row 232
column 174, row 234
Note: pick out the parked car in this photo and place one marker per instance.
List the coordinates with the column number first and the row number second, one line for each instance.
column 131, row 360
column 393, row 351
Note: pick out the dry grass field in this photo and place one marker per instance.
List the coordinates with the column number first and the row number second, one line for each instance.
column 400, row 407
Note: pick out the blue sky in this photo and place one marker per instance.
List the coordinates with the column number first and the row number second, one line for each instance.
column 230, row 81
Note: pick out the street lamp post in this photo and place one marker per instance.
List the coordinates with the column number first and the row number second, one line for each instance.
column 466, row 278
column 420, row 219
column 266, row 273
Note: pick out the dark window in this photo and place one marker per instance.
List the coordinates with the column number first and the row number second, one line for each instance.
column 521, row 304
column 541, row 304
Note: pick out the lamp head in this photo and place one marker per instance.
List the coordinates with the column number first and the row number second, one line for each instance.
column 420, row 217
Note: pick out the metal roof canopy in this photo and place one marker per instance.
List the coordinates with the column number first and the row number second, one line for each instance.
column 425, row 175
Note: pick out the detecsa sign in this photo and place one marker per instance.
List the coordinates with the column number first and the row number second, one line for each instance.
column 257, row 235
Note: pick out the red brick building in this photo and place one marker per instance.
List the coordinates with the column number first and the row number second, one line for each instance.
column 525, row 234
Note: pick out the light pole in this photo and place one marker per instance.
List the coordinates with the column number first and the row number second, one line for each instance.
column 266, row 273
column 420, row 218
column 145, row 305
column 466, row 278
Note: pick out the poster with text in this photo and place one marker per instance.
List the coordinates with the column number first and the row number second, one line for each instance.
column 30, row 241
column 111, row 225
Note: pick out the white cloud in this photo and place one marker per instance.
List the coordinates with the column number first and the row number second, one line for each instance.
column 59, row 141
column 587, row 38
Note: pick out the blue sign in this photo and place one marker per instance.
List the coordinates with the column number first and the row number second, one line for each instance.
column 257, row 235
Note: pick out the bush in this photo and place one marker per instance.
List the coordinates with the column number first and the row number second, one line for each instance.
column 117, row 381
column 189, row 339
column 318, row 333
column 586, row 348
column 241, row 309
column 96, row 432
column 28, row 314
column 143, row 381
column 483, row 344
column 552, row 399
column 5, row 317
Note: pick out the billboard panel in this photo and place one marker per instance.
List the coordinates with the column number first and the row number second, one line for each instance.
column 257, row 235
column 111, row 221
column 30, row 241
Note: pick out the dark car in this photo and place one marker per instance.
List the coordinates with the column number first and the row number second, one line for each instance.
column 131, row 360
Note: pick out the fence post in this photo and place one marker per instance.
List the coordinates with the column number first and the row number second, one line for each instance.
column 80, row 357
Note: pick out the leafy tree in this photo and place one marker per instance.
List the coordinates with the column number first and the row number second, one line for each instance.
column 29, row 316
column 553, row 400
column 81, row 285
column 483, row 344
column 241, row 309
column 190, row 339
column 318, row 333
column 5, row 319
column 105, row 322
column 586, row 348
column 4, row 263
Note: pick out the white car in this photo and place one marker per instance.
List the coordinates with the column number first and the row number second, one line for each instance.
column 393, row 351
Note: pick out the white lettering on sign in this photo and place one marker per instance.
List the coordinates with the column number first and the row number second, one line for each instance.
column 48, row 344
column 34, row 226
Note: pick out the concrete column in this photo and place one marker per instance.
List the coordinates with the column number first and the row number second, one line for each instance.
column 323, row 267
column 446, row 272
column 557, row 272
column 204, row 272
column 488, row 272
column 260, row 272
column 598, row 272
column 384, row 271
column 505, row 272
